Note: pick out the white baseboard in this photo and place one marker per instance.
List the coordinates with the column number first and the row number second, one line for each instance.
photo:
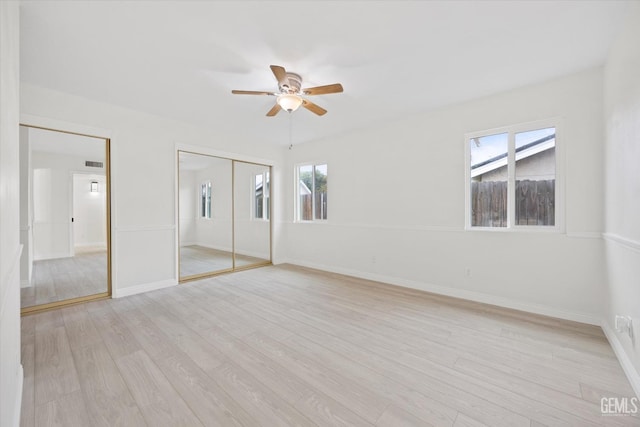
column 459, row 293
column 52, row 256
column 278, row 260
column 145, row 287
column 18, row 405
column 627, row 366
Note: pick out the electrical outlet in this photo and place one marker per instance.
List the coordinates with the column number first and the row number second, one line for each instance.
column 624, row 325
column 373, row 260
column 467, row 272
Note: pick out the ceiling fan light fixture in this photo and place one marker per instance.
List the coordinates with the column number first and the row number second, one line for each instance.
column 289, row 102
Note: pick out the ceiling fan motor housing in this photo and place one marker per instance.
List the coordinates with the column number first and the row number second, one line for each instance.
column 295, row 83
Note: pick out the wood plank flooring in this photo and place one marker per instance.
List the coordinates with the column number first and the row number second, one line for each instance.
column 282, row 345
column 64, row 278
column 195, row 259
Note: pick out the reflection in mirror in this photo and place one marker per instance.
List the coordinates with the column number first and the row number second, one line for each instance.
column 252, row 210
column 63, row 217
column 205, row 214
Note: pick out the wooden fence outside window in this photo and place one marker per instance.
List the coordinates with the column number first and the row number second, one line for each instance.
column 535, row 203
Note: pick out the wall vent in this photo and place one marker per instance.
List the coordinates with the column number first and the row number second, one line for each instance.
column 90, row 164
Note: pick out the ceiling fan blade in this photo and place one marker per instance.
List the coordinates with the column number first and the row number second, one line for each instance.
column 322, row 90
column 251, row 92
column 313, row 107
column 281, row 75
column 274, row 110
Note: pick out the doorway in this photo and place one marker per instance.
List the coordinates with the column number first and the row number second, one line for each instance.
column 89, row 213
column 64, row 218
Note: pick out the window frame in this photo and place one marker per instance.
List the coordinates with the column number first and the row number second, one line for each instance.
column 511, row 131
column 296, row 181
column 208, row 199
column 266, row 200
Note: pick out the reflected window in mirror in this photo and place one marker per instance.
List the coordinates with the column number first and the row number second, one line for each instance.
column 261, row 200
column 205, row 200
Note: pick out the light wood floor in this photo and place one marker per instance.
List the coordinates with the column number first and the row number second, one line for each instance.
column 64, row 278
column 195, row 259
column 289, row 346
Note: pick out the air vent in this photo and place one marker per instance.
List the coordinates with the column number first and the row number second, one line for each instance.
column 91, row 164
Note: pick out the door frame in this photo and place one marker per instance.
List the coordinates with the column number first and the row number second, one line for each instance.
column 55, row 126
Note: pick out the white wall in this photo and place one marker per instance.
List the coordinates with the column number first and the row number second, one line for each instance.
column 10, row 367
column 188, row 207
column 622, row 201
column 89, row 211
column 143, row 159
column 53, row 202
column 396, row 205
column 26, row 209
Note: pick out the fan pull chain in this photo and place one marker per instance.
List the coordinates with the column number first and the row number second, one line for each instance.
column 290, row 131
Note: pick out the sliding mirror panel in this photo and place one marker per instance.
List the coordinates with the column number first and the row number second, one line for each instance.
column 64, row 218
column 252, row 214
column 205, row 206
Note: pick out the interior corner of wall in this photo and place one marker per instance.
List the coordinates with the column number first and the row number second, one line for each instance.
column 623, row 357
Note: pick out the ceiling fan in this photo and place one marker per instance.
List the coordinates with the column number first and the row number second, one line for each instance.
column 291, row 93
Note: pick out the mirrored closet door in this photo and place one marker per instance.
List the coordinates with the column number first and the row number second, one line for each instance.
column 64, row 218
column 224, row 215
column 205, row 211
column 252, row 214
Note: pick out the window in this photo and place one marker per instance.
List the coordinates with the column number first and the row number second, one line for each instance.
column 205, row 200
column 261, row 206
column 312, row 192
column 512, row 177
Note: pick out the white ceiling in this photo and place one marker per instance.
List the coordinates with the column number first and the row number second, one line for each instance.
column 180, row 59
